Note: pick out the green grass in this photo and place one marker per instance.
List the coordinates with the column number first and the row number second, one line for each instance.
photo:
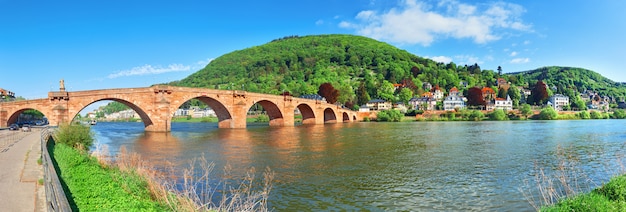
column 194, row 120
column 609, row 197
column 90, row 187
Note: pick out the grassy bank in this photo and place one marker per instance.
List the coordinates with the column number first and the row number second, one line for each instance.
column 91, row 187
column 609, row 197
column 126, row 182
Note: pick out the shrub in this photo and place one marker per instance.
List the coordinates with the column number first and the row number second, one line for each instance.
column 618, row 114
column 584, row 115
column 75, row 135
column 389, row 115
column 615, row 189
column 262, row 118
column 596, row 115
column 476, row 115
column 548, row 113
column 498, row 115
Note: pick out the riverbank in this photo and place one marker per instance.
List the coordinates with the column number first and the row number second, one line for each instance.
column 609, row 197
column 126, row 182
column 90, row 186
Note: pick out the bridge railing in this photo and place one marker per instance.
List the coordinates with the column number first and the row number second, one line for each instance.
column 55, row 196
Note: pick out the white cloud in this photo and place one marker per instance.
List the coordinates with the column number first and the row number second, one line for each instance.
column 319, row 22
column 149, row 70
column 416, row 22
column 520, row 60
column 467, row 59
column 441, row 59
column 513, row 54
column 202, row 63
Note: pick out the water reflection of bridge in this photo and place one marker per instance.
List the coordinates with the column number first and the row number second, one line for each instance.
column 156, row 106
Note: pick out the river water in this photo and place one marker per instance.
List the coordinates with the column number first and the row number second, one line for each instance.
column 409, row 166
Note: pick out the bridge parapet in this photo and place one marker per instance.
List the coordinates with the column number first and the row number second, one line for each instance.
column 58, row 95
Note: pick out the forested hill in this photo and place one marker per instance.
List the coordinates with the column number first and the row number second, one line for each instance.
column 569, row 79
column 300, row 64
column 361, row 69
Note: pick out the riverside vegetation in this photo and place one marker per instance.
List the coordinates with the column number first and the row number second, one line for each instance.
column 561, row 188
column 127, row 183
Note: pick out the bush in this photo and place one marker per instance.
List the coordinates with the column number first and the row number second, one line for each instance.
column 619, row 114
column 262, row 118
column 75, row 135
column 548, row 113
column 366, row 119
column 476, row 115
column 584, row 115
column 596, row 115
column 615, row 189
column 389, row 115
column 498, row 115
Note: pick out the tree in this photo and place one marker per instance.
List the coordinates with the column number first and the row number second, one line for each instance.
column 502, row 92
column 548, row 113
column 389, row 115
column 526, row 110
column 475, row 97
column 584, row 114
column 405, row 95
column 498, row 115
column 327, row 91
column 476, row 115
column 361, row 94
column 515, row 95
column 618, row 114
column 386, row 91
column 539, row 93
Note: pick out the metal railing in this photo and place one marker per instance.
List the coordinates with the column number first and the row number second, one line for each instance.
column 55, row 197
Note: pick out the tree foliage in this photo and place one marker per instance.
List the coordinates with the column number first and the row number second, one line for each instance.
column 75, row 135
column 329, row 92
column 498, row 115
column 526, row 110
column 475, row 97
column 539, row 93
column 389, row 115
column 548, row 113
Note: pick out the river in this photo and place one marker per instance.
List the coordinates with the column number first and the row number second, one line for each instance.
column 408, row 166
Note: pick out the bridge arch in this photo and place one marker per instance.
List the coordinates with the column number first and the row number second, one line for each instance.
column 308, row 115
column 329, row 116
column 224, row 116
column 14, row 116
column 145, row 118
column 346, row 117
column 273, row 111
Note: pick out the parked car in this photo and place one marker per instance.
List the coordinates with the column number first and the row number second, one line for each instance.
column 26, row 128
column 14, row 127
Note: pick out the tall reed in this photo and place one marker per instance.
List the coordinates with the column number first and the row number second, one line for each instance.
column 194, row 189
column 565, row 180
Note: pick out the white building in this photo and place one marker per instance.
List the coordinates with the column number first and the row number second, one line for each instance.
column 452, row 102
column 504, row 104
column 557, row 101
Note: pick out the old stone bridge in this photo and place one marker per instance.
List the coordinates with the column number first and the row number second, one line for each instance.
column 156, row 106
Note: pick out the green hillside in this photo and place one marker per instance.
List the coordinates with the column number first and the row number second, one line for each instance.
column 568, row 79
column 362, row 69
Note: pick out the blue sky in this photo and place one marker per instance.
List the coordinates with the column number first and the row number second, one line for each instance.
column 116, row 44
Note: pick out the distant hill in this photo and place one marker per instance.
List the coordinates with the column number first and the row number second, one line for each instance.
column 362, row 69
column 569, row 79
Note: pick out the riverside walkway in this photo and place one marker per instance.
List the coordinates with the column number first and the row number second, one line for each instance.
column 20, row 172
